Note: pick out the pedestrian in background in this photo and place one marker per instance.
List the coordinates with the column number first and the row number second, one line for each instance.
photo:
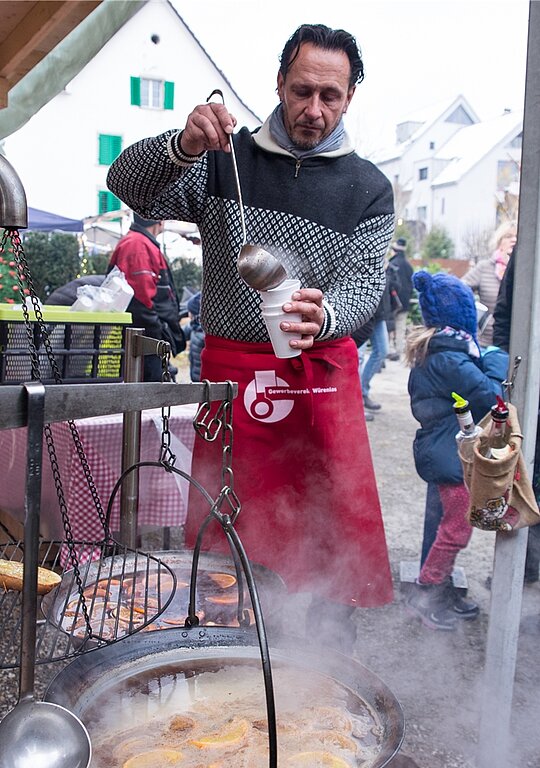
column 196, row 336
column 502, row 317
column 399, row 274
column 378, row 341
column 155, row 305
column 486, row 276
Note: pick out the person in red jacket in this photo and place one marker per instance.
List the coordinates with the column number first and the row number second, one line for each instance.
column 155, row 305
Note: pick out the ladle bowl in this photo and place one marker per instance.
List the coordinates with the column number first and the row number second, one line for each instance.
column 39, row 734
column 259, row 268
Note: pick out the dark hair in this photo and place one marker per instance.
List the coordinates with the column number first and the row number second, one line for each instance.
column 328, row 39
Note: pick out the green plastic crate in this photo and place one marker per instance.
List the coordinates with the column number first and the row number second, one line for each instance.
column 87, row 346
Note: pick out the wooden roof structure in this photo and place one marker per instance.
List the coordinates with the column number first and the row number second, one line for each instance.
column 29, row 30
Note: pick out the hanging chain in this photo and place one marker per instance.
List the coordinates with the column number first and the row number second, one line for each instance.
column 26, row 288
column 166, row 455
column 208, row 427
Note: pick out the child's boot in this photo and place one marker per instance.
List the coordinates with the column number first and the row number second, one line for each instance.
column 463, row 609
column 432, row 604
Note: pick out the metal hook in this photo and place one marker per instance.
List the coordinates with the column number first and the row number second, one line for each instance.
column 508, row 384
column 216, row 92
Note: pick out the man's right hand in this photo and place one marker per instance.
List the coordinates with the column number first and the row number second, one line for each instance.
column 208, row 127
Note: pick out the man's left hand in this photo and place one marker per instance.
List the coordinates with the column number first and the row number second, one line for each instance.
column 308, row 302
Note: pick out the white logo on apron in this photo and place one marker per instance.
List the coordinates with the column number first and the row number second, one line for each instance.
column 262, row 406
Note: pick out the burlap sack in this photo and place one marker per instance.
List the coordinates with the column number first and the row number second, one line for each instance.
column 501, row 494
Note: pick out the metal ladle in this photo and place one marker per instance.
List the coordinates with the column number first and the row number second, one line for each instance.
column 37, row 734
column 257, row 267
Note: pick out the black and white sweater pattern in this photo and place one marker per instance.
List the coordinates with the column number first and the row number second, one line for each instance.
column 328, row 218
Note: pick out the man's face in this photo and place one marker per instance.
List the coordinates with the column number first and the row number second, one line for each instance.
column 315, row 94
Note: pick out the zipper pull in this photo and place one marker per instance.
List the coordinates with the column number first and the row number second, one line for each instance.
column 297, row 170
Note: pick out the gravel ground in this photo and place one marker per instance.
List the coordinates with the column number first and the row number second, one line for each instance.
column 436, row 676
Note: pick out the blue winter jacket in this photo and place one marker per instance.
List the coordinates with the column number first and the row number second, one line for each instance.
column 449, row 368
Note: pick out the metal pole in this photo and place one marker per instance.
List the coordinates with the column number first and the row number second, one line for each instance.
column 131, row 446
column 510, row 549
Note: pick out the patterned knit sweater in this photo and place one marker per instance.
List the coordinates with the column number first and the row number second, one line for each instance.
column 328, row 218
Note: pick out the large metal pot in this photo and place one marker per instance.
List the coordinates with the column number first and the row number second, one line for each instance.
column 94, row 674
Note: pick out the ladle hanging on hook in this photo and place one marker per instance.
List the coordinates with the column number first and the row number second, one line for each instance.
column 257, row 267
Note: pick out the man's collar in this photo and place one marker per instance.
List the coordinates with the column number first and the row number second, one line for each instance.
column 141, row 230
column 264, row 140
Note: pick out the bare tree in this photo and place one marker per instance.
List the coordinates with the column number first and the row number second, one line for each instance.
column 475, row 243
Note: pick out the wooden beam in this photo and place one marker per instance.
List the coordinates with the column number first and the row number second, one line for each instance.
column 38, row 32
column 4, row 88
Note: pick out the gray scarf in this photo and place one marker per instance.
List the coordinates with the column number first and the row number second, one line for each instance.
column 280, row 135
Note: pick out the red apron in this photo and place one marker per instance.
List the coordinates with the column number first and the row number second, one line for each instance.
column 302, row 470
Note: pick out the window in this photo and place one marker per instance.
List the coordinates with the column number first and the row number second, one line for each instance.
column 108, row 202
column 152, row 94
column 109, row 148
column 432, row 145
column 422, row 174
column 442, row 206
column 460, row 116
column 421, row 213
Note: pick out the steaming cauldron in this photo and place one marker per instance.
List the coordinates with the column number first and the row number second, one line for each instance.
column 94, row 675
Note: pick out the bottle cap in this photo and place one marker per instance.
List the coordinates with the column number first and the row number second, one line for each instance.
column 461, row 405
column 499, row 412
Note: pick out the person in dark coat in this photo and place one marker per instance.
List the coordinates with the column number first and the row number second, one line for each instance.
column 445, row 357
column 196, row 336
column 400, row 273
column 155, row 305
column 379, row 347
column 502, row 320
column 66, row 295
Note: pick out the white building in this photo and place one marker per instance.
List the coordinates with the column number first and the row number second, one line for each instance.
column 145, row 79
column 448, row 169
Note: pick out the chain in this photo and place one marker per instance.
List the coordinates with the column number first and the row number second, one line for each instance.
column 166, row 455
column 207, row 425
column 26, row 287
column 228, row 493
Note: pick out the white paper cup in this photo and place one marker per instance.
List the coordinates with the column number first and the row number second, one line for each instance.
column 278, row 296
column 272, row 302
column 273, row 316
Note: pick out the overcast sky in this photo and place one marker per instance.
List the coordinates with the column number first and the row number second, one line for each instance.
column 416, row 52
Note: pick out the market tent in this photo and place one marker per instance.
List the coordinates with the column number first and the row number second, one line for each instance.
column 43, row 221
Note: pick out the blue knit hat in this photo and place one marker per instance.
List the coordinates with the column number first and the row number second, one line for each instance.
column 445, row 300
column 194, row 304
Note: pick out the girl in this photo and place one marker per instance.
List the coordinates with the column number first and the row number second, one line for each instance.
column 444, row 357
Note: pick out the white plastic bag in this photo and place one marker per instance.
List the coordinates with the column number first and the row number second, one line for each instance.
column 113, row 295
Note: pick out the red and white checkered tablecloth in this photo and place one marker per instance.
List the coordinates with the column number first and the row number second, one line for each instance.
column 162, row 495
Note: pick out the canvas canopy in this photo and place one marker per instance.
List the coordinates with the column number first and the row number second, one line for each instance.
column 43, row 221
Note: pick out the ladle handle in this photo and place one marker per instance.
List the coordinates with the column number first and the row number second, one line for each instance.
column 217, row 92
column 35, row 392
column 238, row 189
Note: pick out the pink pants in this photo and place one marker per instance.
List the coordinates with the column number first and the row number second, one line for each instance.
column 453, row 534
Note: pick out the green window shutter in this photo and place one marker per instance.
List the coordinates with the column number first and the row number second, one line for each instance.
column 136, row 91
column 109, row 148
column 168, row 102
column 108, row 202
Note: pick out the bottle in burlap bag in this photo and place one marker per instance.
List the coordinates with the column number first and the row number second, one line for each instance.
column 501, row 494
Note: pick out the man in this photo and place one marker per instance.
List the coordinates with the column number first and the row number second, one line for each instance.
column 400, row 272
column 155, row 305
column 302, row 463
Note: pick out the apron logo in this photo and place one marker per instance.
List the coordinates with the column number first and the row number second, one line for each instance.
column 267, row 397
